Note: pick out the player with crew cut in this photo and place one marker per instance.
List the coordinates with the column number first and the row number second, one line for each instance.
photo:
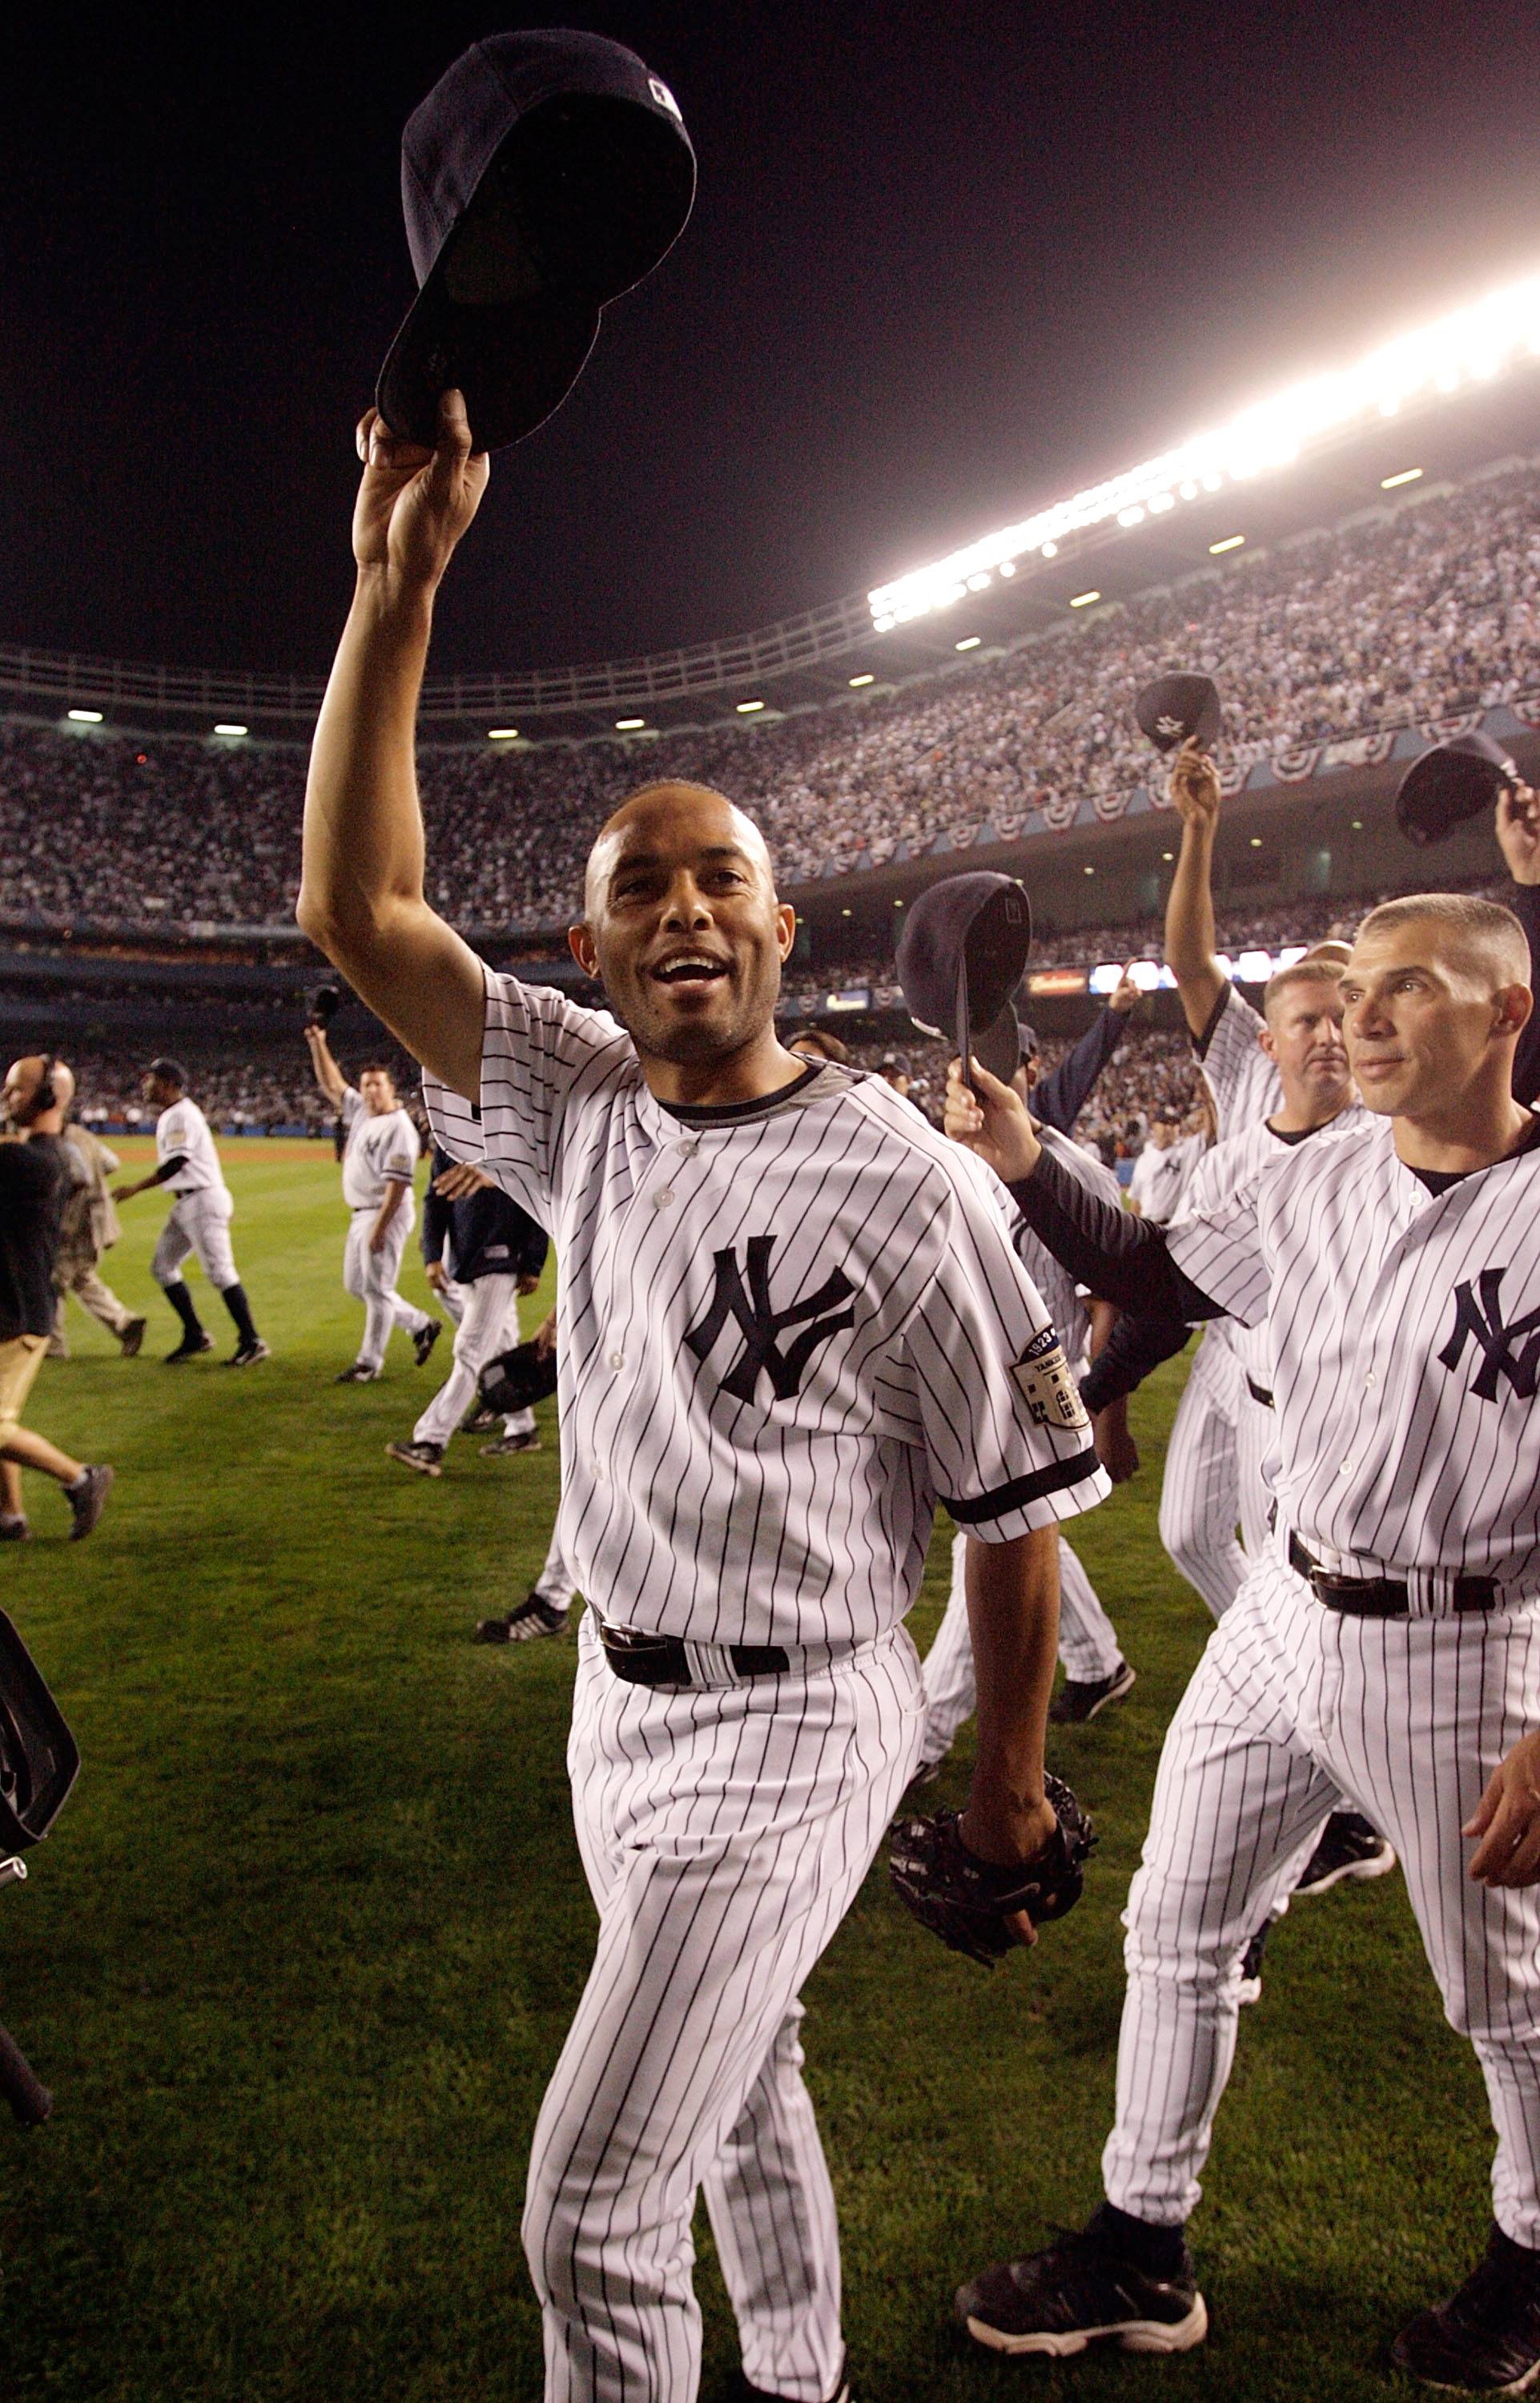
column 788, row 1318
column 1385, row 1649
column 198, row 1226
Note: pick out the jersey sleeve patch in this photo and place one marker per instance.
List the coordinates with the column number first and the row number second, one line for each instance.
column 1042, row 1378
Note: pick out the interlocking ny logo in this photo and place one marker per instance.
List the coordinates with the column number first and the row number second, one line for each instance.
column 1478, row 1312
column 761, row 1327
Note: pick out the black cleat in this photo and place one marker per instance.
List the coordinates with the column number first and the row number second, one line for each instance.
column 1251, row 1966
column 359, row 1374
column 15, row 1531
column 190, row 1346
column 1486, row 2339
column 1080, row 2292
column 424, row 1340
column 480, row 1422
column 536, row 1617
column 1074, row 1703
column 506, row 1445
column 245, row 1356
column 131, row 1338
column 88, row 1500
column 427, row 1457
column 1348, row 1848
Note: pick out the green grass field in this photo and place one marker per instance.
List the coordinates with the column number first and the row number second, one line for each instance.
column 301, row 1950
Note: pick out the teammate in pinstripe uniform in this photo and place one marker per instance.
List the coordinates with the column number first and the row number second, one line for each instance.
column 199, row 1221
column 1388, row 1647
column 789, row 1320
column 1201, row 1490
column 379, row 1164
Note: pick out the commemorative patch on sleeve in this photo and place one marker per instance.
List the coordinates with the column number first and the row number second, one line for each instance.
column 1042, row 1378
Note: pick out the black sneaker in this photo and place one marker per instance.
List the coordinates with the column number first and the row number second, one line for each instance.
column 1251, row 1966
column 427, row 1457
column 509, row 1444
column 1348, row 1848
column 480, row 1422
column 1486, row 2339
column 245, row 1356
column 131, row 1338
column 536, row 1617
column 359, row 1374
column 424, row 1340
column 1078, row 2292
column 15, row 1531
column 190, row 1346
column 87, row 1499
column 1077, row 1702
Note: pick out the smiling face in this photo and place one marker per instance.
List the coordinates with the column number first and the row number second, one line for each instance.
column 1304, row 1037
column 682, row 925
column 1432, row 1013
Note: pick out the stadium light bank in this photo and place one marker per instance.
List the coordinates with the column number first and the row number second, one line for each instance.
column 1471, row 346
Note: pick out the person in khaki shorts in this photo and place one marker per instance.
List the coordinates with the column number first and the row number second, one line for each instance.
column 34, row 1176
column 89, row 1227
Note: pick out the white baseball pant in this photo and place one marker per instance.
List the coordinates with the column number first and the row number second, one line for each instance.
column 1294, row 1708
column 1200, row 1493
column 725, row 1834
column 199, row 1224
column 486, row 1321
column 1256, row 1433
column 1088, row 1646
column 556, row 1583
column 370, row 1277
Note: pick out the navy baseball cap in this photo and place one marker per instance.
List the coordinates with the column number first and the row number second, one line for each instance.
column 959, row 959
column 171, row 1072
column 1174, row 708
column 545, row 173
column 1453, row 782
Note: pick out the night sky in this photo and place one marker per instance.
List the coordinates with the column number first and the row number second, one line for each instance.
column 946, row 261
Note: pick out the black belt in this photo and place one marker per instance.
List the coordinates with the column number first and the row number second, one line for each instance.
column 1259, row 1393
column 1380, row 1597
column 663, row 1661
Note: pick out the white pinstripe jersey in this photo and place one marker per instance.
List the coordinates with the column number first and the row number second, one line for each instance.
column 380, row 1150
column 1406, row 1340
column 1237, row 1072
column 1222, row 1172
column 182, row 1133
column 784, row 1330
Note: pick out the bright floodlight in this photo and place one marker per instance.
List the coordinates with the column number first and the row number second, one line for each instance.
column 856, row 682
column 1472, row 346
column 1408, row 475
column 630, row 725
column 1231, row 542
column 502, row 734
column 968, row 643
column 85, row 717
column 1084, row 600
column 227, row 726
column 746, row 708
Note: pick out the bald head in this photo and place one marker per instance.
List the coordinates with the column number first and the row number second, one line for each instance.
column 654, row 817
column 24, row 1085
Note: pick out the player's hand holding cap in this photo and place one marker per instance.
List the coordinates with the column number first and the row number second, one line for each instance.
column 543, row 175
column 961, row 956
column 1453, row 782
column 1177, row 709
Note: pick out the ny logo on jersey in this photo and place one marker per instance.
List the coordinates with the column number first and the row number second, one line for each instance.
column 1478, row 1312
column 761, row 1327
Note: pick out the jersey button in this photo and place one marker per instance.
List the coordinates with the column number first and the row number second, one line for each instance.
column 1369, row 1378
column 618, row 1359
column 1346, row 1468
column 661, row 1200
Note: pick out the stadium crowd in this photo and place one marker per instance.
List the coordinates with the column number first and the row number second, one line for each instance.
column 1424, row 612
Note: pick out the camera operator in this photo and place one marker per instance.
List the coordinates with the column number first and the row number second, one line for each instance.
column 36, row 1176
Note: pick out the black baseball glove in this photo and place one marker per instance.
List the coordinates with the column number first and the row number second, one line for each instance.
column 967, row 1901
column 516, row 1380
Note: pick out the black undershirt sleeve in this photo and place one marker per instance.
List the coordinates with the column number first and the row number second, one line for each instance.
column 170, row 1168
column 1120, row 1258
column 1058, row 1099
column 1138, row 1343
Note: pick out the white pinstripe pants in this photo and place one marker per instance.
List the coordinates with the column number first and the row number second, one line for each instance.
column 1293, row 1708
column 370, row 1277
column 1201, row 1494
column 1088, row 1646
column 724, row 1836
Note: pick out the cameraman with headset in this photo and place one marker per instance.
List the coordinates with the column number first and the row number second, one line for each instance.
column 35, row 1178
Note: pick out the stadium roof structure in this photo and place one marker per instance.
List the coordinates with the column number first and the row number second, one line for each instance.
column 1407, row 420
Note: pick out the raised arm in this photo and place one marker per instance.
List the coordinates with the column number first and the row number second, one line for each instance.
column 1191, row 940
column 1058, row 1098
column 361, row 899
column 328, row 1075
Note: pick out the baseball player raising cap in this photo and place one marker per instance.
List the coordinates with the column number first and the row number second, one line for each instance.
column 1382, row 1651
column 789, row 1321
